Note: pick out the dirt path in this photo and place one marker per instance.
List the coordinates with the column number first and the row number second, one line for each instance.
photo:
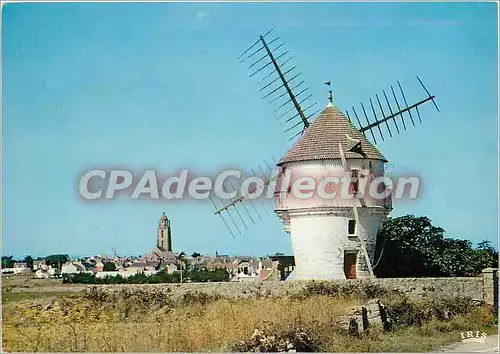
column 490, row 346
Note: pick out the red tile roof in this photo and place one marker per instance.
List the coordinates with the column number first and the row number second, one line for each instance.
column 321, row 140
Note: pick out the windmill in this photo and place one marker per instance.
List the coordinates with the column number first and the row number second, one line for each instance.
column 329, row 141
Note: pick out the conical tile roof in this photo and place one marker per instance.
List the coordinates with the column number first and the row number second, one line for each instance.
column 321, row 140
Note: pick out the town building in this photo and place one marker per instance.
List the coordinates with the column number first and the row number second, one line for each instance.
column 72, row 268
column 40, row 264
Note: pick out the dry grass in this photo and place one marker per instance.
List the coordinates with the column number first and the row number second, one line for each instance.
column 31, row 295
column 127, row 324
column 24, row 287
column 76, row 326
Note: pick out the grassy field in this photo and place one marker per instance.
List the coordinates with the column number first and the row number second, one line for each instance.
column 24, row 287
column 26, row 281
column 99, row 322
column 10, row 296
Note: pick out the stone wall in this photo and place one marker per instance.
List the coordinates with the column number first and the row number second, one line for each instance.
column 490, row 286
column 480, row 288
column 469, row 287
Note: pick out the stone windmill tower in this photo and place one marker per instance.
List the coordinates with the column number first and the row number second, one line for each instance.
column 333, row 234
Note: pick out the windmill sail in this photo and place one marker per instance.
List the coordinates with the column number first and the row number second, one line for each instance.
column 281, row 83
column 243, row 210
column 394, row 112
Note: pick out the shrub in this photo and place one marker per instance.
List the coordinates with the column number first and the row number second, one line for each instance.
column 198, row 297
column 218, row 275
column 405, row 312
column 109, row 267
column 95, row 294
column 363, row 290
column 288, row 339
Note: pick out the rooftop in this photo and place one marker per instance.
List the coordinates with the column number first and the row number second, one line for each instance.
column 320, row 141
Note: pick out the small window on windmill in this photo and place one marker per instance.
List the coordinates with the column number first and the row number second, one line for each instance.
column 351, row 227
column 381, row 188
column 355, row 182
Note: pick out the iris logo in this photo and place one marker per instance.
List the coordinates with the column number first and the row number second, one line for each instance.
column 473, row 336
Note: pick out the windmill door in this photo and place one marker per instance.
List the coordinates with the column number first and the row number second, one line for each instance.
column 350, row 265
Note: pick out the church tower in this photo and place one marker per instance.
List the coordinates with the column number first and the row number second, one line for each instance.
column 164, row 236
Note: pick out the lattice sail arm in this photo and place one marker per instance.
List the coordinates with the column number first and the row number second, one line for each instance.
column 281, row 83
column 246, row 196
column 241, row 210
column 394, row 112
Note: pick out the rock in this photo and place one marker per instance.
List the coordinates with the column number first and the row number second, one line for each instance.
column 48, row 306
column 263, row 342
column 388, row 325
column 353, row 327
column 355, row 310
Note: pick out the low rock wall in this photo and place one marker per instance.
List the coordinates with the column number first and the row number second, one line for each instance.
column 468, row 287
column 475, row 287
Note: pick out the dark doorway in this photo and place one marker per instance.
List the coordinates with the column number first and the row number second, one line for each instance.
column 351, row 227
column 350, row 265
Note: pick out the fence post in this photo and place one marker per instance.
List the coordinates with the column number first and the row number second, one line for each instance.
column 490, row 287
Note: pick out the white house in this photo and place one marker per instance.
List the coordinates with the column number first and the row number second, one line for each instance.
column 72, row 268
column 125, row 273
column 17, row 268
column 21, row 265
column 52, row 272
column 39, row 265
column 245, row 271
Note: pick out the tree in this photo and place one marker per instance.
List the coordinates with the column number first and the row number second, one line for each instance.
column 486, row 255
column 181, row 261
column 7, row 262
column 56, row 260
column 218, row 275
column 29, row 261
column 109, row 267
column 196, row 255
column 410, row 246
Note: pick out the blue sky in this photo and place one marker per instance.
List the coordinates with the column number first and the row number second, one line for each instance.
column 158, row 85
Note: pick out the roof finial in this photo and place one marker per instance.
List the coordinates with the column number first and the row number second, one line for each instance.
column 330, row 97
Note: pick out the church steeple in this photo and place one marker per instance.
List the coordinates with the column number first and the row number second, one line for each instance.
column 164, row 236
